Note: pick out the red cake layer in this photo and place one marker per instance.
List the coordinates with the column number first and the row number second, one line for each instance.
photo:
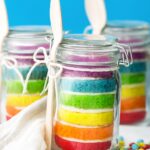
column 132, row 117
column 71, row 145
column 8, row 117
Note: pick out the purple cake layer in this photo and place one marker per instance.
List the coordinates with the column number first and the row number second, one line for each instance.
column 134, row 43
column 127, row 41
column 72, row 73
column 24, row 53
column 26, row 59
column 90, row 58
column 139, row 55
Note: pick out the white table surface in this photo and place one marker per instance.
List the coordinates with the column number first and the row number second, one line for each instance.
column 134, row 133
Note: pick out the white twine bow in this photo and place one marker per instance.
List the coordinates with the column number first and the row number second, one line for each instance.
column 11, row 63
column 49, row 64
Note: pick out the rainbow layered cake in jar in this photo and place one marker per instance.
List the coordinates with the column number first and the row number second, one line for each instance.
column 87, row 93
column 23, row 77
column 133, row 94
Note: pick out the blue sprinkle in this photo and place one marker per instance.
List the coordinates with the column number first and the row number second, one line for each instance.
column 134, row 147
column 140, row 141
column 121, row 138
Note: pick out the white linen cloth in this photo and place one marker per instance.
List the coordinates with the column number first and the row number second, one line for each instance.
column 25, row 131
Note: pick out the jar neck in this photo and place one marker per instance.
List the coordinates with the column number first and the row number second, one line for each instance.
column 85, row 54
column 25, row 40
column 135, row 33
column 89, row 59
column 135, row 42
column 92, row 50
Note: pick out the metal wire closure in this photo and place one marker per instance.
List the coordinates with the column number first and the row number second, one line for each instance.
column 11, row 63
column 87, row 29
column 126, row 54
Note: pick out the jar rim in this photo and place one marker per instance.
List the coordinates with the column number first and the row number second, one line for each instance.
column 26, row 39
column 35, row 31
column 84, row 41
column 134, row 33
column 87, row 49
column 128, row 26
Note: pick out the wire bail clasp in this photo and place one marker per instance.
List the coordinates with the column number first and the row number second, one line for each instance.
column 126, row 54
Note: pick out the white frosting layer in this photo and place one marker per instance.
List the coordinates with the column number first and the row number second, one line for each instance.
column 73, row 109
column 86, row 141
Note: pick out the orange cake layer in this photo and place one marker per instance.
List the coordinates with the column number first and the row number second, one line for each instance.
column 12, row 111
column 83, row 133
column 133, row 103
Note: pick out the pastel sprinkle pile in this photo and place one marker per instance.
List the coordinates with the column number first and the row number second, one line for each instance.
column 139, row 145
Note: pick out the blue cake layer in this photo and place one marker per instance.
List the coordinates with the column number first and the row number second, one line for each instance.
column 134, row 68
column 39, row 72
column 87, row 85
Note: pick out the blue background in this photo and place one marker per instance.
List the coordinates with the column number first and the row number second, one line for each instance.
column 36, row 12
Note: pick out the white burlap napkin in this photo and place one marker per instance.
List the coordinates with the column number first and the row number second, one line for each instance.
column 26, row 130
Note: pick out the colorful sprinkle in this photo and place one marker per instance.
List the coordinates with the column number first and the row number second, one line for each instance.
column 139, row 145
column 135, row 147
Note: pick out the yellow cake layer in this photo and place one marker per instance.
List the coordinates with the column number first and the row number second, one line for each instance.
column 130, row 91
column 22, row 100
column 86, row 119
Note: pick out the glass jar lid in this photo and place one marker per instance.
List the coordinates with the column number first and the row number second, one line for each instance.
column 91, row 50
column 128, row 26
column 26, row 39
column 137, row 33
column 92, row 42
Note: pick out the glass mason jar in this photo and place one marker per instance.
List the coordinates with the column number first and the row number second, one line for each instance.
column 87, row 113
column 133, row 95
column 23, row 77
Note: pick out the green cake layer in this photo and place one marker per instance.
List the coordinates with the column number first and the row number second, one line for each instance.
column 132, row 78
column 34, row 86
column 87, row 101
